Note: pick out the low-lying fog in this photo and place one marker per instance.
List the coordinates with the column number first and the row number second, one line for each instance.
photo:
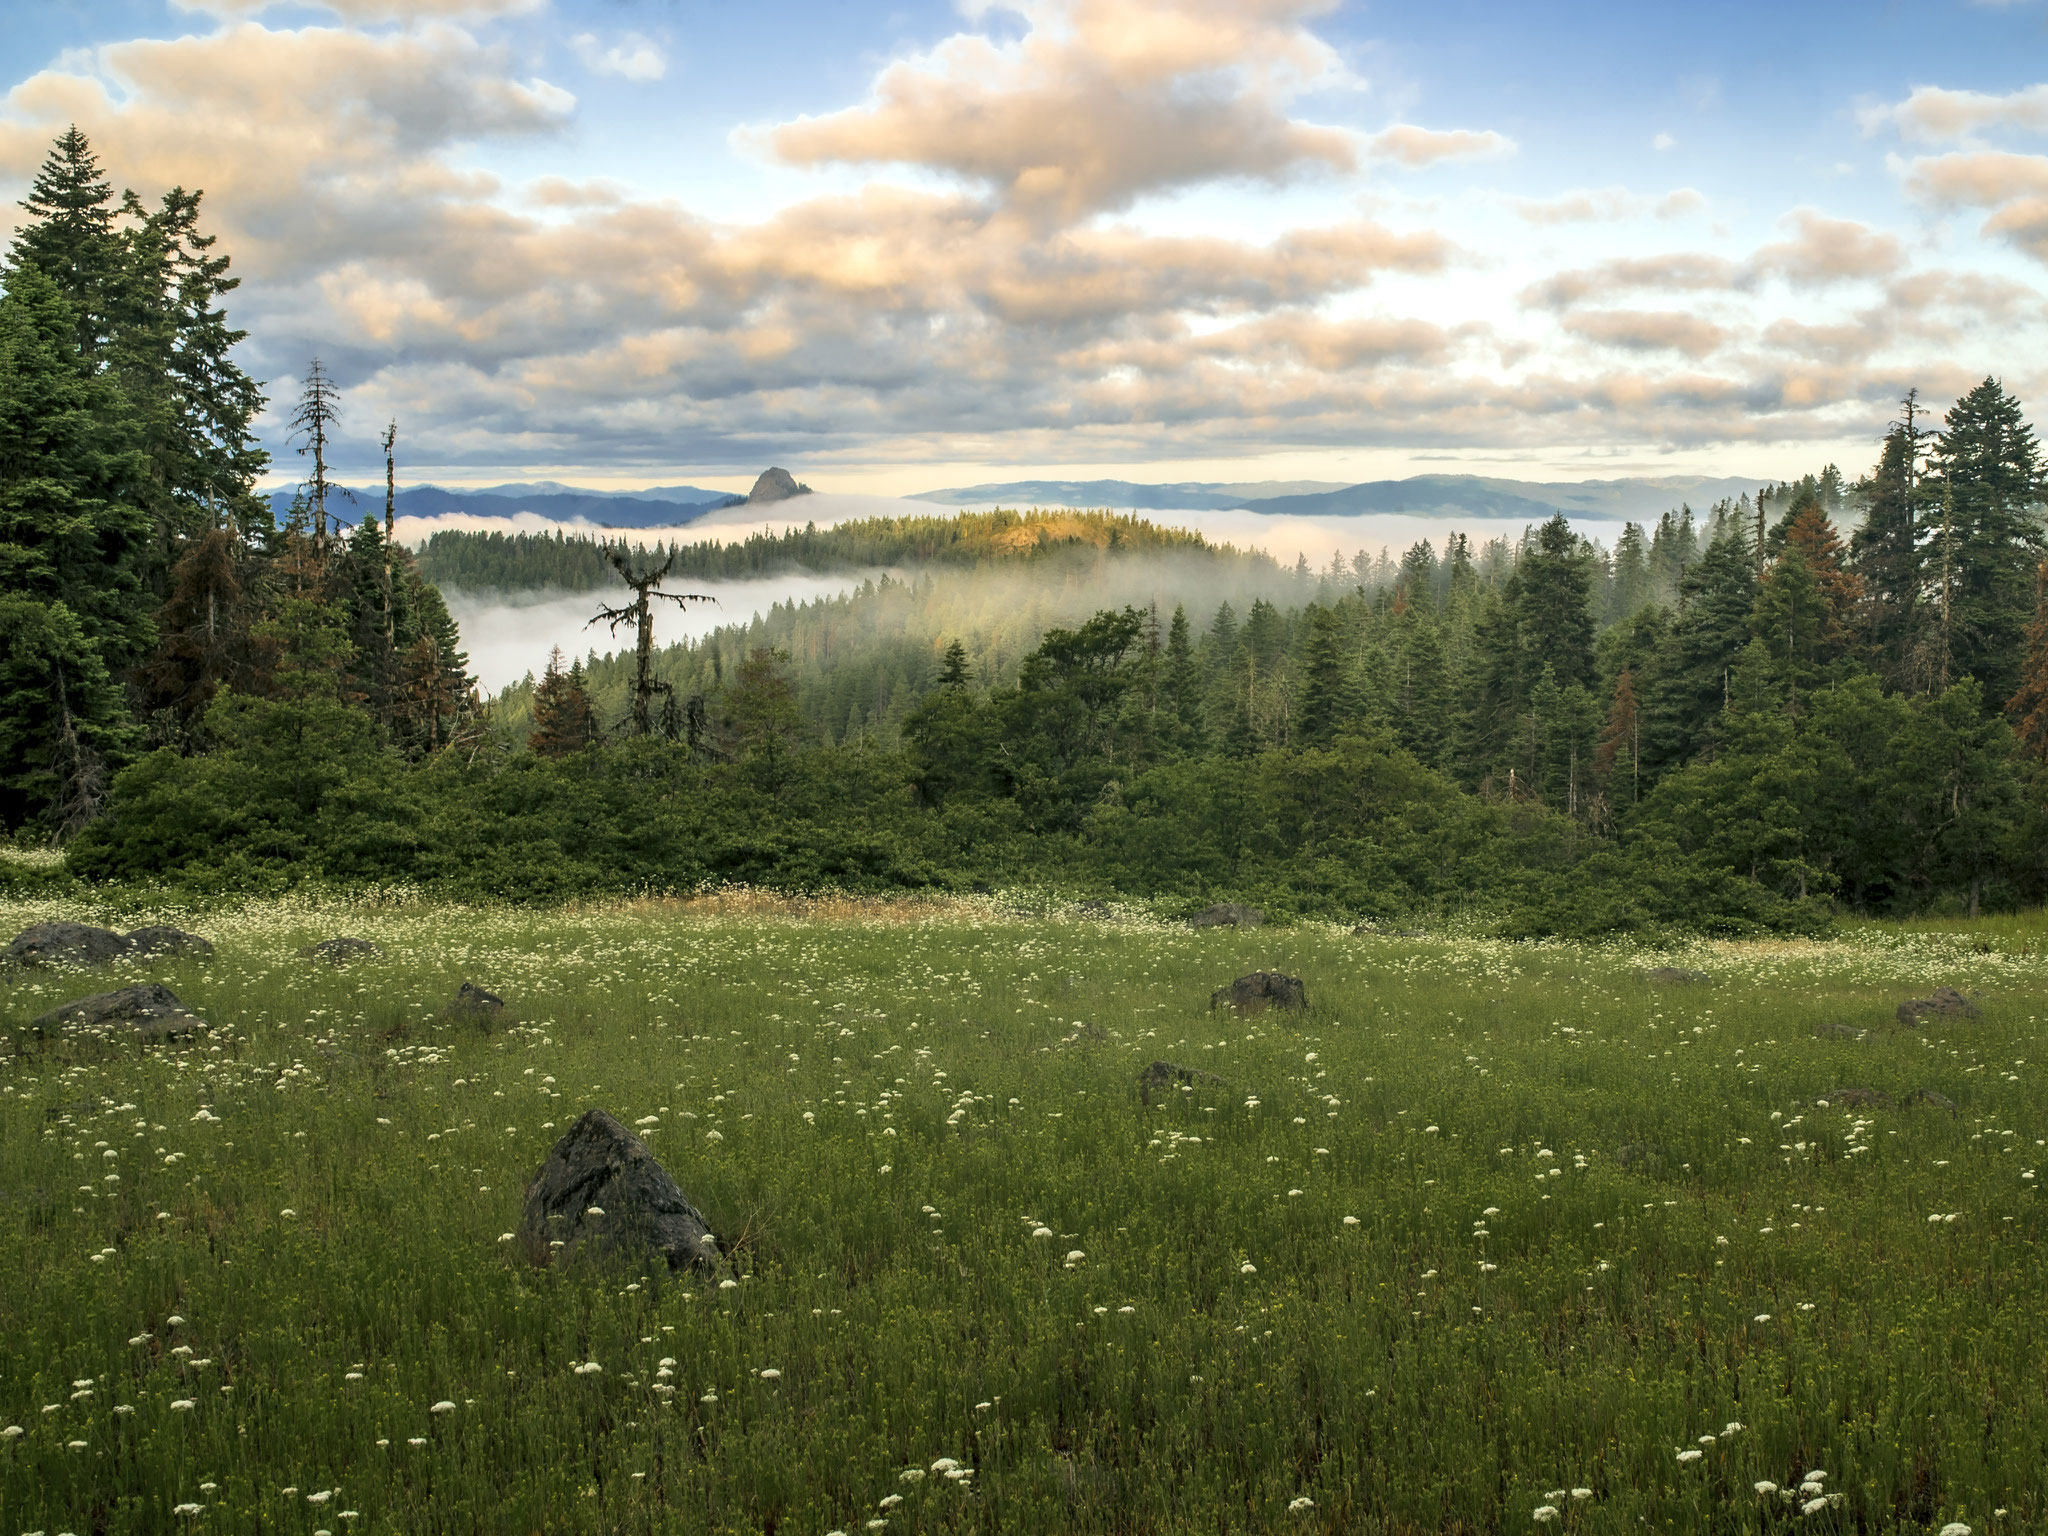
column 508, row 636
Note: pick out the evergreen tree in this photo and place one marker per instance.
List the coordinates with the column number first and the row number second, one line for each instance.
column 1181, row 686
column 562, row 718
column 1421, row 687
column 1885, row 555
column 1987, row 466
column 1553, row 605
column 2029, row 706
column 1328, row 703
column 1633, row 586
column 70, row 239
column 953, row 671
column 1718, row 597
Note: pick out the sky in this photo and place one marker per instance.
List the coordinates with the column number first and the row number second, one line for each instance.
column 901, row 246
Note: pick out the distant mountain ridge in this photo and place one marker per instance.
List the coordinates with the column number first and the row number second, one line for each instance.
column 662, row 507
column 1435, row 496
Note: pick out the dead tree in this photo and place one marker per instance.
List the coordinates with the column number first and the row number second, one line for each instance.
column 646, row 585
column 316, row 413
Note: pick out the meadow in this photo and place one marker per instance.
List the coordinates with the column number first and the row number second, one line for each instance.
column 1495, row 1237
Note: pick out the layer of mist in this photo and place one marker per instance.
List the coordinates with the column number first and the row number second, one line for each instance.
column 508, row 635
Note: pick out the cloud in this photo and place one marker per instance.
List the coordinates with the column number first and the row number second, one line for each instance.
column 1005, row 309
column 2014, row 187
column 1662, row 142
column 1413, row 146
column 1824, row 250
column 1648, row 331
column 1097, row 103
column 1932, row 114
column 632, row 57
column 1607, row 205
column 1681, row 270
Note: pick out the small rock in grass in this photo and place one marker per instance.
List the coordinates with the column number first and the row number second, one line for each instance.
column 152, row 1011
column 1859, row 1098
column 1165, row 1074
column 1942, row 1002
column 341, row 951
column 1261, row 990
column 61, row 943
column 1930, row 1097
column 1827, row 1029
column 601, row 1191
column 160, row 939
column 474, row 1005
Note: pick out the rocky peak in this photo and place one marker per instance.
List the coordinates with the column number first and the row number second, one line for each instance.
column 777, row 485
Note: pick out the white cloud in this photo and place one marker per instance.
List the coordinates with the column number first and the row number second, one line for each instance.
column 632, row 57
column 1933, row 114
column 1662, row 142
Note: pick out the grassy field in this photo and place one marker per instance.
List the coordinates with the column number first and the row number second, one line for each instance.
column 1494, row 1230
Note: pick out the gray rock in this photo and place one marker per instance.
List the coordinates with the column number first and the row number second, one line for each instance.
column 149, row 1012
column 601, row 1191
column 341, row 951
column 777, row 485
column 1942, row 1002
column 66, row 944
column 162, row 940
column 1227, row 914
column 473, row 1005
column 1169, row 1074
column 1935, row 1100
column 1261, row 990
column 1676, row 976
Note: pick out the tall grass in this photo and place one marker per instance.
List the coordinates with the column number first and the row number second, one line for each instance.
column 1593, row 1221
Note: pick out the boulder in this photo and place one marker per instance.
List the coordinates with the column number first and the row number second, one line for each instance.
column 1169, row 1074
column 341, row 951
column 1942, row 1002
column 601, row 1191
column 1261, row 990
column 1227, row 914
column 1676, row 976
column 473, row 1005
column 149, row 1012
column 161, row 940
column 78, row 944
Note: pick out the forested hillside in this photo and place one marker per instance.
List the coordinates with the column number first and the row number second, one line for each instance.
column 1740, row 723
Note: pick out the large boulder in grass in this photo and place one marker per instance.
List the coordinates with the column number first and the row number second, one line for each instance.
column 1261, row 990
column 147, row 1012
column 160, row 939
column 341, row 951
column 1941, row 1003
column 601, row 1192
column 79, row 944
